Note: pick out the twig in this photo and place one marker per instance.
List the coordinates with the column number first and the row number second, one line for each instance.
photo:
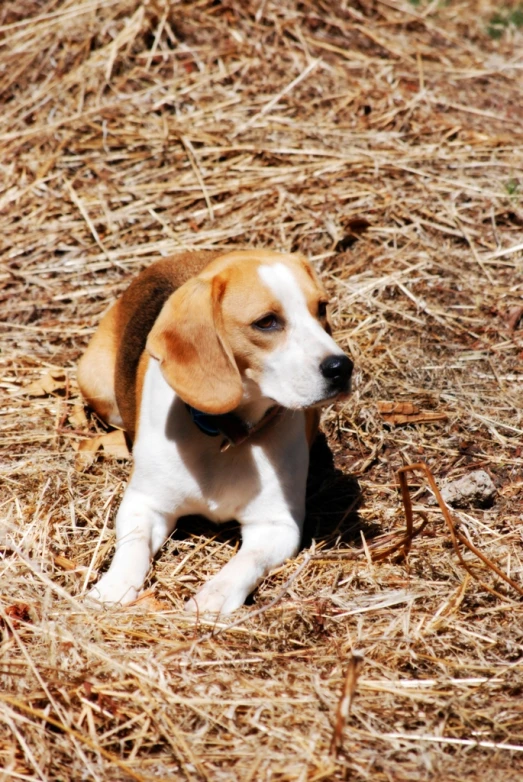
column 85, row 214
column 303, row 75
column 459, row 742
column 199, row 176
column 455, row 535
column 345, row 702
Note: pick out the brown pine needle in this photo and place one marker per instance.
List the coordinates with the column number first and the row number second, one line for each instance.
column 345, row 702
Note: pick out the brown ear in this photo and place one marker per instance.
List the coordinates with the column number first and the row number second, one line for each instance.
column 194, row 356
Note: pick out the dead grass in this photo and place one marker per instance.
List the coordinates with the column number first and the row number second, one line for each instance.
column 384, row 139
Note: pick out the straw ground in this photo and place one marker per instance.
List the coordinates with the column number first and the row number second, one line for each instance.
column 383, row 139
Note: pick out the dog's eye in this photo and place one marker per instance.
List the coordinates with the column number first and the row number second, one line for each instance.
column 322, row 309
column 267, row 323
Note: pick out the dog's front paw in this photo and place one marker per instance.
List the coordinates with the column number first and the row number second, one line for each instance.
column 219, row 598
column 111, row 590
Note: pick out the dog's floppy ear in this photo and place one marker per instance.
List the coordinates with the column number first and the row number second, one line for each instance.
column 195, row 359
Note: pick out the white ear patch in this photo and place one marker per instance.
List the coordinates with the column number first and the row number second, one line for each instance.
column 292, row 374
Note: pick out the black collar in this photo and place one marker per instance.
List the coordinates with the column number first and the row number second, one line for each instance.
column 230, row 426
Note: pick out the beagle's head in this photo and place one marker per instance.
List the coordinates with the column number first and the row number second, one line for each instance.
column 252, row 325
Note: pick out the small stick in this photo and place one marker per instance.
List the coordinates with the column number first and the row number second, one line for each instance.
column 375, row 550
column 407, row 504
column 345, row 702
column 193, row 160
column 455, row 535
column 268, row 106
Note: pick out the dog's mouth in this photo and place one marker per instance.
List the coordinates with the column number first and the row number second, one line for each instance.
column 336, row 387
column 336, row 395
column 340, row 389
column 342, row 396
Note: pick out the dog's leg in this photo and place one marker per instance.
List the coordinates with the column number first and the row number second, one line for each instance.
column 264, row 547
column 141, row 529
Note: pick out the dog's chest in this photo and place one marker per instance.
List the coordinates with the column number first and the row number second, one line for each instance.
column 223, row 485
column 187, row 473
column 190, row 475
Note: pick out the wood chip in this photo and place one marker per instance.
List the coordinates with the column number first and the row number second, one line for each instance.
column 50, row 383
column 112, row 444
column 407, row 413
column 78, row 418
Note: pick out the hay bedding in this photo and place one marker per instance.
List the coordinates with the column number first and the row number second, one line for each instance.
column 384, row 140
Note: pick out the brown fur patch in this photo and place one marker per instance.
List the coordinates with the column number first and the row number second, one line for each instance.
column 194, row 355
column 140, row 306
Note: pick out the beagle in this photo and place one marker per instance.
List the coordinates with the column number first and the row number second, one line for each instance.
column 215, row 365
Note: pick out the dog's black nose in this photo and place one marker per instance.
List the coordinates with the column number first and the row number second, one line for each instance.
column 338, row 370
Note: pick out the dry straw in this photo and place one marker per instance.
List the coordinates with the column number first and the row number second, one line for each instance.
column 383, row 139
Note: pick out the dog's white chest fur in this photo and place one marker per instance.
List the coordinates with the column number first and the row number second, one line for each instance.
column 191, row 474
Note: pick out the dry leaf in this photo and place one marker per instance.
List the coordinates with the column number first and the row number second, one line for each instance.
column 514, row 316
column 49, row 383
column 113, row 444
column 78, row 418
column 150, row 602
column 67, row 564
column 18, row 612
column 407, row 413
